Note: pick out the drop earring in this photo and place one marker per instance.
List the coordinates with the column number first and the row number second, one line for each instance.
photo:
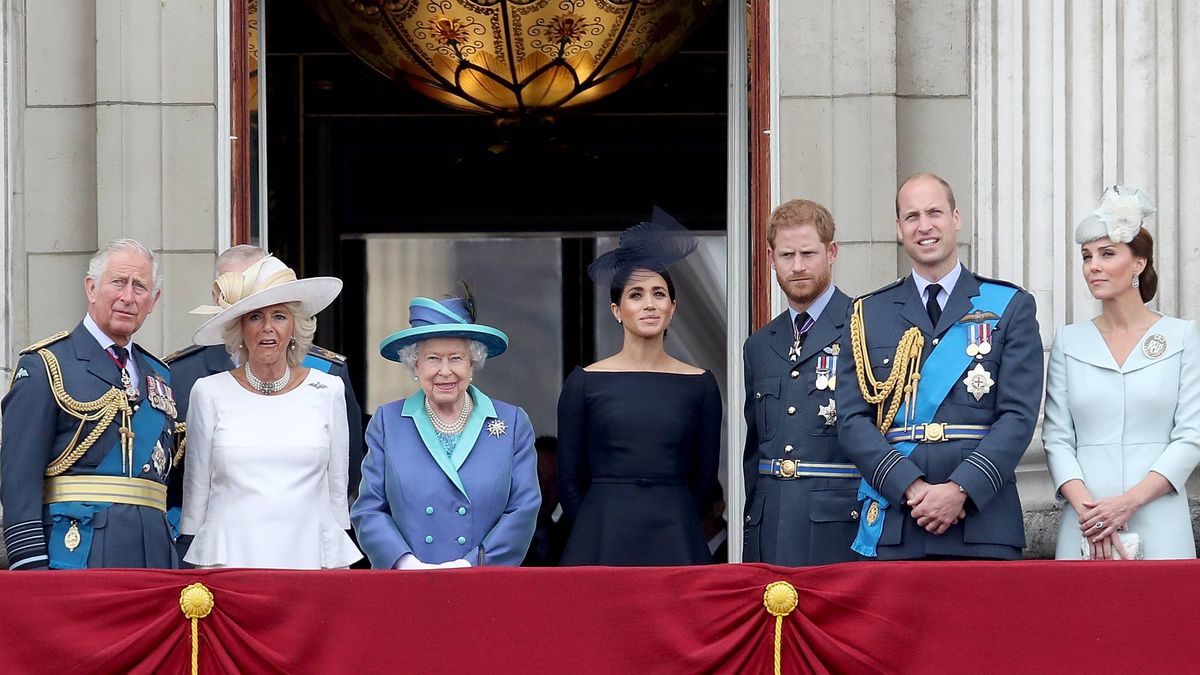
column 1136, row 280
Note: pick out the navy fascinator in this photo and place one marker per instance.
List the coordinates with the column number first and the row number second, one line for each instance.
column 651, row 245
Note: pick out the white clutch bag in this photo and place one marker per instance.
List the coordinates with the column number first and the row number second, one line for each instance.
column 1132, row 541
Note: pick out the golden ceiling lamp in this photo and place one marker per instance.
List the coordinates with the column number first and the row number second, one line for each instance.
column 513, row 56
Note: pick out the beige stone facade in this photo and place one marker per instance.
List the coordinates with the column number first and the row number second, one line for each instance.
column 113, row 113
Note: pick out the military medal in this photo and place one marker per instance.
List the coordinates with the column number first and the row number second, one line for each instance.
column 71, row 539
column 829, row 412
column 131, row 391
column 978, row 382
column 159, row 458
column 985, row 338
column 823, row 372
column 829, row 367
column 794, row 352
column 1154, row 346
column 972, row 340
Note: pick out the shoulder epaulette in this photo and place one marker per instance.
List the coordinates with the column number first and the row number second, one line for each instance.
column 179, row 354
column 328, row 355
column 60, row 335
column 881, row 289
column 1001, row 282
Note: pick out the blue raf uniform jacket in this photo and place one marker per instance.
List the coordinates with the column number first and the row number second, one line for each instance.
column 994, row 525
column 37, row 431
column 192, row 363
column 479, row 504
column 806, row 520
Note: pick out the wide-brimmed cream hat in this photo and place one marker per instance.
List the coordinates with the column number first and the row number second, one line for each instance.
column 265, row 283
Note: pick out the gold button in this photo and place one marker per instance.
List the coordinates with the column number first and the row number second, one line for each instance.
column 854, row 515
column 885, row 361
column 795, row 374
column 935, row 341
column 757, row 394
column 791, row 410
column 787, row 448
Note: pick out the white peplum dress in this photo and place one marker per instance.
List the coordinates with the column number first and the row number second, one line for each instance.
column 265, row 476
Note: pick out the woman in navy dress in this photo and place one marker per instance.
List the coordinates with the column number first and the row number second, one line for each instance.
column 639, row 431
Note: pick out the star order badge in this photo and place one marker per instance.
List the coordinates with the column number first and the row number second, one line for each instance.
column 159, row 459
column 829, row 412
column 497, row 428
column 979, row 381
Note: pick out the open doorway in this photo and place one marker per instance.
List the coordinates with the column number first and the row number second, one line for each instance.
column 371, row 182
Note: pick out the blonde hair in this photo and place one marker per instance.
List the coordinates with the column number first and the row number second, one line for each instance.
column 304, row 327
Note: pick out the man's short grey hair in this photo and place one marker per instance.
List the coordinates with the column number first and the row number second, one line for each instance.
column 304, row 326
column 98, row 265
column 409, row 354
column 243, row 253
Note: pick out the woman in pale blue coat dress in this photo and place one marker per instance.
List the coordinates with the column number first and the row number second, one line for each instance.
column 450, row 476
column 1122, row 426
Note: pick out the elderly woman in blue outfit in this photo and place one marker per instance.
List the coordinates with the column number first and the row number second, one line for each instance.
column 450, row 476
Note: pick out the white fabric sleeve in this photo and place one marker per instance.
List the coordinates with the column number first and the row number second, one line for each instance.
column 339, row 453
column 197, row 457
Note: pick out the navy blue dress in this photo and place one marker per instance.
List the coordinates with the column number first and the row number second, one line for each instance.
column 637, row 464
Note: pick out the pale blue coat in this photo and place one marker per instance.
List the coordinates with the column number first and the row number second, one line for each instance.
column 1110, row 425
column 415, row 499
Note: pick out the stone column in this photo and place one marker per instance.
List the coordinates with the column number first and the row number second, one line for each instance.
column 1070, row 97
column 113, row 115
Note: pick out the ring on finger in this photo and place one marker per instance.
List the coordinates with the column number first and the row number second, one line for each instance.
column 1099, row 525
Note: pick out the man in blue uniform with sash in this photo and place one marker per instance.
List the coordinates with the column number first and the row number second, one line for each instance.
column 939, row 398
column 89, row 423
column 192, row 363
column 801, row 504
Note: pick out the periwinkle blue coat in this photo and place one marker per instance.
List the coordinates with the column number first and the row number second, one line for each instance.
column 480, row 503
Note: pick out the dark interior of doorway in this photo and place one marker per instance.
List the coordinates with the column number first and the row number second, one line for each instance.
column 351, row 153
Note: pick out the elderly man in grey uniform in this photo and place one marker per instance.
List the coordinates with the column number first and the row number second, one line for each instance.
column 88, row 427
column 940, row 396
column 192, row 363
column 801, row 506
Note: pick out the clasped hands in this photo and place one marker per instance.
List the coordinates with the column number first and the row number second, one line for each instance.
column 935, row 507
column 1100, row 523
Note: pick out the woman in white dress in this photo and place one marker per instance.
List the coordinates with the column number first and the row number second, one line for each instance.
column 1122, row 427
column 267, row 455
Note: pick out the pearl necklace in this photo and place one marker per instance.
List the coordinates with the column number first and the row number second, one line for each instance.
column 453, row 428
column 273, row 387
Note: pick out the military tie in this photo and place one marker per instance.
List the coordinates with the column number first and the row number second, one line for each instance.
column 121, row 353
column 803, row 323
column 931, row 304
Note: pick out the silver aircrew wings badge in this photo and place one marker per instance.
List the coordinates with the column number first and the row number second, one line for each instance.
column 979, row 381
column 496, row 428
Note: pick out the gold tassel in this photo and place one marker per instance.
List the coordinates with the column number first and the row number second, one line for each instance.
column 780, row 599
column 196, row 602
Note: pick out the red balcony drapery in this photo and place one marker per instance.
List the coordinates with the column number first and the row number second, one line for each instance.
column 858, row 617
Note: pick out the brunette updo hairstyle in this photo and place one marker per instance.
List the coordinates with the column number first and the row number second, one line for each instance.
column 622, row 280
column 1143, row 247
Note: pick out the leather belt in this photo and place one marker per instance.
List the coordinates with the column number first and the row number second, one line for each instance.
column 937, row 432
column 790, row 469
column 113, row 489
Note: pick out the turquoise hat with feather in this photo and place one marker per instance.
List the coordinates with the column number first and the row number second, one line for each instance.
column 446, row 318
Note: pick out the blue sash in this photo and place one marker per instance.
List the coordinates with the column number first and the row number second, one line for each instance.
column 939, row 373
column 147, row 424
column 317, row 363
